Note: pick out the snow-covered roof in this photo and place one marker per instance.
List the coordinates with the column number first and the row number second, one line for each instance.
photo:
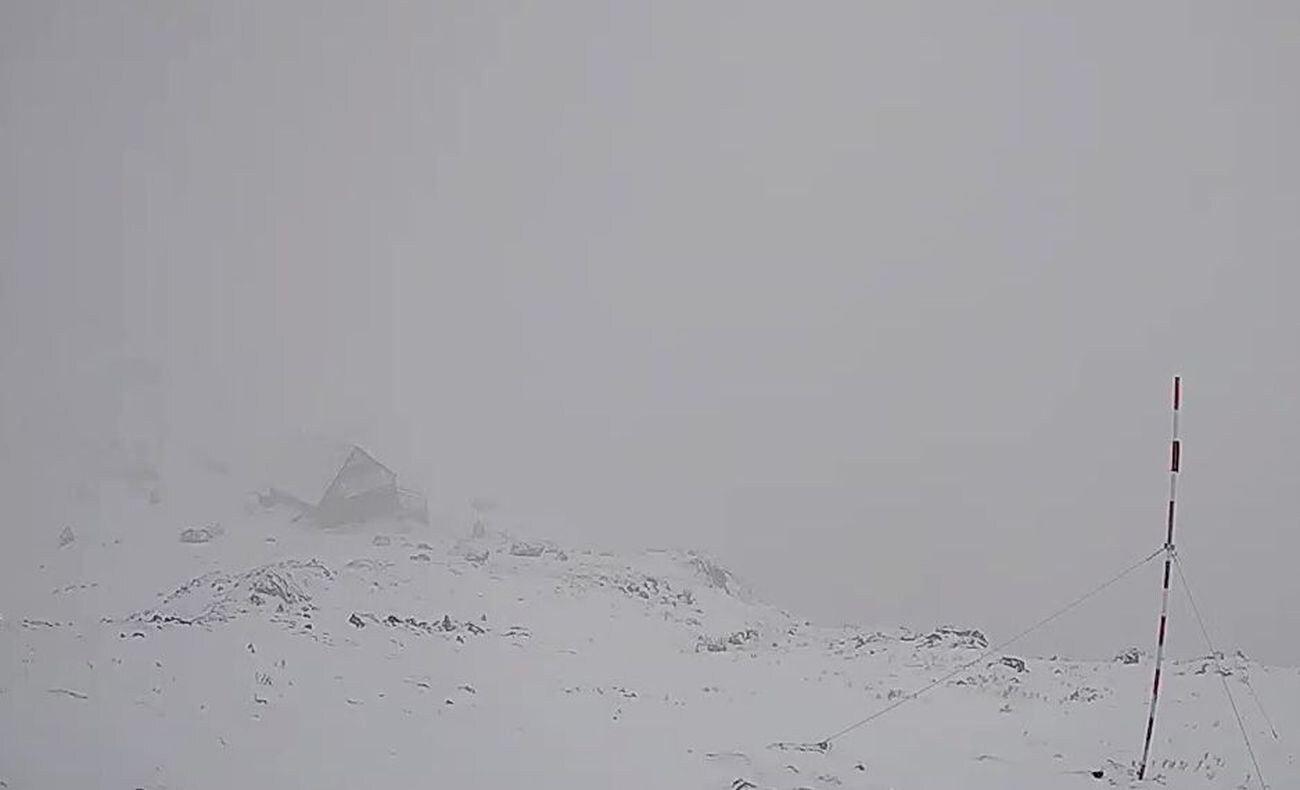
column 304, row 465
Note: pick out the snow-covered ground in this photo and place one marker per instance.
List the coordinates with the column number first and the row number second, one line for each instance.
column 278, row 655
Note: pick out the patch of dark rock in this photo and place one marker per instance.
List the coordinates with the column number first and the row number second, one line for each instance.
column 947, row 636
column 1129, row 657
column 820, row 747
column 526, row 549
column 721, row 644
column 199, row 535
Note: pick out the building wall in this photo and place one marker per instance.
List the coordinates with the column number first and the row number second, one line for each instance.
column 376, row 503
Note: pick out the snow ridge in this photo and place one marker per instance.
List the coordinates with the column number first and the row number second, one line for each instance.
column 286, row 656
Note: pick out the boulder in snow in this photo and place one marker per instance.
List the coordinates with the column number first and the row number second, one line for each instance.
column 1130, row 656
column 220, row 597
column 525, row 549
column 200, row 535
column 947, row 636
column 721, row 644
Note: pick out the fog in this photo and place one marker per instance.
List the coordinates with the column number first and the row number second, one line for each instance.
column 877, row 303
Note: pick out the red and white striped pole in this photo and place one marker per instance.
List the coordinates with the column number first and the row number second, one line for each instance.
column 1174, row 457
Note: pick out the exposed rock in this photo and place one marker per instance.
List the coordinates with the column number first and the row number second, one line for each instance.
column 786, row 746
column 713, row 573
column 1085, row 694
column 200, row 535
column 220, row 597
column 1213, row 664
column 947, row 636
column 648, row 588
column 525, row 549
column 853, row 643
column 69, row 693
column 446, row 625
column 721, row 644
column 1130, row 656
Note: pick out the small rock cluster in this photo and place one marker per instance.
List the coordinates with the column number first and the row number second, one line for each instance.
column 202, row 534
column 283, row 588
column 526, row 549
column 446, row 625
column 722, row 644
column 947, row 636
column 1130, row 656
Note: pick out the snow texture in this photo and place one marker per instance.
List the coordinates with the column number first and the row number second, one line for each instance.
column 281, row 656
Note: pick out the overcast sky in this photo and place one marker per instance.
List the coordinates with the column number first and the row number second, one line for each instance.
column 877, row 302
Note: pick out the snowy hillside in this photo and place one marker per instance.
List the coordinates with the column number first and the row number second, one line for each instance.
column 278, row 655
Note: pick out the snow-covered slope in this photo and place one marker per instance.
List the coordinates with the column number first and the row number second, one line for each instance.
column 277, row 655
